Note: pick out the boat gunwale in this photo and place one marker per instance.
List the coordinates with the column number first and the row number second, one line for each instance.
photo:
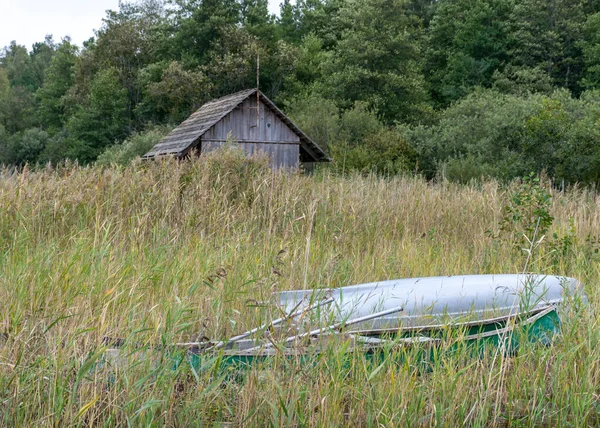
column 464, row 324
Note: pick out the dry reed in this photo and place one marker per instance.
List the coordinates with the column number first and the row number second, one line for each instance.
column 172, row 251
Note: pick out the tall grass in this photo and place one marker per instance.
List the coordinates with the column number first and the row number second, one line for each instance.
column 170, row 251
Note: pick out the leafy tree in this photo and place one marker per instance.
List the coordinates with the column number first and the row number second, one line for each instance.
column 232, row 62
column 28, row 146
column 467, row 43
column 488, row 134
column 102, row 121
column 128, row 41
column 377, row 61
column 424, row 9
column 58, row 80
column 590, row 46
column 257, row 20
column 324, row 122
column 58, row 148
column 178, row 93
column 581, row 154
column 319, row 17
column 563, row 138
column 40, row 58
column 522, row 81
column 386, row 152
column 201, row 23
column 4, row 85
column 318, row 117
column 477, row 136
column 15, row 60
column 17, row 111
column 358, row 124
column 287, row 23
column 5, row 147
column 545, row 34
column 309, row 63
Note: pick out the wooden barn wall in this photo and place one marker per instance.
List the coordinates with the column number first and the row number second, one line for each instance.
column 283, row 155
column 242, row 123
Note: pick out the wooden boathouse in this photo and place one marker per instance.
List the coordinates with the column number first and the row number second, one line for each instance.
column 252, row 122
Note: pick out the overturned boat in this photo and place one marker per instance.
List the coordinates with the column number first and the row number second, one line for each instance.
column 431, row 302
column 429, row 312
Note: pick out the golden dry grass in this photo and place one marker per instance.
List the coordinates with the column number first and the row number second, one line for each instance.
column 166, row 252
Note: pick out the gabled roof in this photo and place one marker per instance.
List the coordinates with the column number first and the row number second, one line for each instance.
column 187, row 135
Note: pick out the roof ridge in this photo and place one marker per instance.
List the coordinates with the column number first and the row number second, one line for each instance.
column 234, row 95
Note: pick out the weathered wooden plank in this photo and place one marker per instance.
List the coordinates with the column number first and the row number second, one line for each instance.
column 242, row 124
column 281, row 155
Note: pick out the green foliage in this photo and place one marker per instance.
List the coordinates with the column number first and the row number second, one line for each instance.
column 467, row 43
column 130, row 39
column 15, row 60
column 356, row 138
column 358, row 124
column 232, row 62
column 134, row 146
column 178, row 93
column 526, row 218
column 590, row 46
column 474, row 88
column 4, row 85
column 547, row 35
column 527, row 221
column 40, row 58
column 318, row 117
column 28, row 146
column 488, row 134
column 311, row 17
column 326, row 124
column 256, row 19
column 377, row 60
column 522, row 81
column 384, row 153
column 17, row 112
column 58, row 148
column 102, row 121
column 59, row 78
column 201, row 24
column 24, row 147
column 309, row 61
column 5, row 147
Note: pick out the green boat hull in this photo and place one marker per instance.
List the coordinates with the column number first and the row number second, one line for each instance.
column 433, row 347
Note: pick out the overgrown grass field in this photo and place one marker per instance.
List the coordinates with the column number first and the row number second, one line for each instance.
column 168, row 252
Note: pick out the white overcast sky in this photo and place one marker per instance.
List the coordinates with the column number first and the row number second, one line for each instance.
column 28, row 21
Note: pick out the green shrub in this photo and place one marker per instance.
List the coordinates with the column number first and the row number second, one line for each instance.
column 317, row 117
column 133, row 147
column 24, row 147
column 489, row 134
column 386, row 152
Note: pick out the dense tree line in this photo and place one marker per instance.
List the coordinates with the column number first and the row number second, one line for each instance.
column 460, row 88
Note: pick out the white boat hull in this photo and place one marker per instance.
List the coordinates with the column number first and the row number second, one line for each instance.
column 432, row 301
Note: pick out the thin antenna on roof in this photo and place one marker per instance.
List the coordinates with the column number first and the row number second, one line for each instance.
column 257, row 89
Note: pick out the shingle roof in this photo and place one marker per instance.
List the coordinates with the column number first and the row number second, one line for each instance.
column 187, row 135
